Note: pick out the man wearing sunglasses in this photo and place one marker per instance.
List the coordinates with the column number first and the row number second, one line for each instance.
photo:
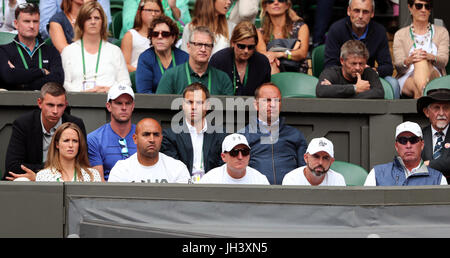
column 246, row 68
column 436, row 107
column 408, row 167
column 114, row 140
column 360, row 26
column 236, row 155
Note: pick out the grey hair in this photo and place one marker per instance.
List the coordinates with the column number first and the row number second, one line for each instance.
column 354, row 47
column 373, row 3
column 202, row 29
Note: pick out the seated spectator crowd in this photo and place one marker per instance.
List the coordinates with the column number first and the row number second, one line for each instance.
column 221, row 52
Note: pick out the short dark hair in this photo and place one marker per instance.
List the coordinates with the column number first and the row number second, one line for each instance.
column 30, row 8
column 53, row 88
column 196, row 86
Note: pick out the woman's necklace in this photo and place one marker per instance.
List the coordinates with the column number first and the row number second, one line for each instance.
column 423, row 39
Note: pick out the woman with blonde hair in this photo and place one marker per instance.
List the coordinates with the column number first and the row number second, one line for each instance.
column 91, row 63
column 136, row 40
column 284, row 37
column 67, row 158
column 211, row 14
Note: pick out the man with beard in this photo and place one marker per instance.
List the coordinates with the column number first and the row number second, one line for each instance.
column 354, row 79
column 436, row 107
column 148, row 165
column 114, row 140
column 318, row 157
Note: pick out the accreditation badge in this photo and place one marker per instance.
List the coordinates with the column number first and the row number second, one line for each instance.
column 87, row 85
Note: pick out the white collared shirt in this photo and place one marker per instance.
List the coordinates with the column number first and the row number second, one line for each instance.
column 47, row 137
column 198, row 163
column 434, row 137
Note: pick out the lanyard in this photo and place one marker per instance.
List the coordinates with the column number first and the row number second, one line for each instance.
column 186, row 68
column 25, row 61
column 160, row 65
column 231, row 9
column 236, row 72
column 3, row 10
column 98, row 59
column 412, row 36
column 74, row 176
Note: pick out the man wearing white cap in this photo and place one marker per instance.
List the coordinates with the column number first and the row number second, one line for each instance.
column 236, row 155
column 318, row 157
column 113, row 141
column 408, row 167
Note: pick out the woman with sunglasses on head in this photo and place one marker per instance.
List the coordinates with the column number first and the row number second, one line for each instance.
column 162, row 55
column 91, row 63
column 136, row 40
column 279, row 22
column 67, row 158
column 420, row 50
column 246, row 68
column 211, row 14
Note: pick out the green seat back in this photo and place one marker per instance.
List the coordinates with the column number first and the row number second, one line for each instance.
column 438, row 83
column 133, row 80
column 295, row 85
column 117, row 42
column 388, row 91
column 6, row 37
column 116, row 24
column 317, row 60
column 354, row 175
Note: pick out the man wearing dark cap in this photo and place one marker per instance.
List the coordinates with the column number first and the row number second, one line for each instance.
column 436, row 107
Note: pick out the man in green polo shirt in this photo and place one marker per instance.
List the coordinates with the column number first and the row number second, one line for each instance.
column 196, row 69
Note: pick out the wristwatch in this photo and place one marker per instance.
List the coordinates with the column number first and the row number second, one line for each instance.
column 289, row 54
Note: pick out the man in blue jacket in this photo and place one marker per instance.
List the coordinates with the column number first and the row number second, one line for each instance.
column 359, row 25
column 276, row 148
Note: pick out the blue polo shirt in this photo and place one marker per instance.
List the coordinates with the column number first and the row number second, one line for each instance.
column 104, row 148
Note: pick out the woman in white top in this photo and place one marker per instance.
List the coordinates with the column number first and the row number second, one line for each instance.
column 91, row 63
column 136, row 41
column 212, row 14
column 67, row 158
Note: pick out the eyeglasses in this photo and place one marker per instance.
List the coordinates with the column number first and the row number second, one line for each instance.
column 404, row 140
column 273, row 1
column 200, row 45
column 420, row 6
column 123, row 146
column 235, row 152
column 151, row 11
column 243, row 46
column 164, row 34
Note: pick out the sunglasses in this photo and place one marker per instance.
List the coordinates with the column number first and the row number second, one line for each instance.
column 200, row 45
column 25, row 5
column 123, row 146
column 164, row 34
column 235, row 152
column 420, row 6
column 243, row 46
column 273, row 1
column 404, row 140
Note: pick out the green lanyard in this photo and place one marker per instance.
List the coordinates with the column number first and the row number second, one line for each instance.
column 98, row 59
column 234, row 76
column 189, row 76
column 412, row 36
column 3, row 11
column 25, row 61
column 74, row 176
column 160, row 65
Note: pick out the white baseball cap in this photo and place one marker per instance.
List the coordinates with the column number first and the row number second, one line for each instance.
column 117, row 90
column 232, row 141
column 409, row 127
column 320, row 144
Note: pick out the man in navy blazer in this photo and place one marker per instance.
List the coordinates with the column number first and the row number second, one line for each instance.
column 198, row 146
column 32, row 132
column 436, row 107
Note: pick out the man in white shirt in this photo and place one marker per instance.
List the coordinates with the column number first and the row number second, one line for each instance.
column 318, row 157
column 236, row 155
column 148, row 165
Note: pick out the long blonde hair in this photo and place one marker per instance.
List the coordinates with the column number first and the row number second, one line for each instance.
column 205, row 15
column 81, row 160
column 267, row 25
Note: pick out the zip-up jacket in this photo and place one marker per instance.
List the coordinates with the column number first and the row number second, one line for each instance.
column 271, row 155
column 33, row 78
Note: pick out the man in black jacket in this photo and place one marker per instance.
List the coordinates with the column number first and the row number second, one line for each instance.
column 27, row 62
column 32, row 133
column 436, row 107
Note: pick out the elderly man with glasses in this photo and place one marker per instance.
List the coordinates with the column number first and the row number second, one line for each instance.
column 408, row 167
column 114, row 140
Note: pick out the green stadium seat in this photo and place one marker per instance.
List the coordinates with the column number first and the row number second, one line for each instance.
column 438, row 83
column 388, row 91
column 295, row 85
column 354, row 175
column 133, row 80
column 317, row 60
column 6, row 37
column 116, row 24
